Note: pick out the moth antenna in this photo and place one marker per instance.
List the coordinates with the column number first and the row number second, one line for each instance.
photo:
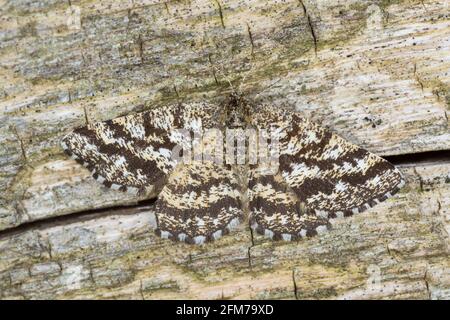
column 231, row 85
column 267, row 87
column 221, row 69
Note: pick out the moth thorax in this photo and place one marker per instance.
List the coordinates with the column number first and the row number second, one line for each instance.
column 237, row 112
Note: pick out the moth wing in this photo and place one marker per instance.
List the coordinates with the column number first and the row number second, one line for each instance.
column 276, row 213
column 134, row 152
column 200, row 202
column 328, row 176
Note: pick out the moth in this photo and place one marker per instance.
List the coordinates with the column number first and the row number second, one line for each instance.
column 320, row 176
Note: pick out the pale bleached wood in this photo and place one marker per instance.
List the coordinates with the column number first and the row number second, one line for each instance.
column 402, row 245
column 378, row 74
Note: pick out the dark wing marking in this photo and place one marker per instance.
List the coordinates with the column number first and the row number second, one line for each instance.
column 329, row 176
column 133, row 152
column 200, row 202
column 276, row 213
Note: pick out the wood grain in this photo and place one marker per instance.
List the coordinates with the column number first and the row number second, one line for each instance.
column 376, row 72
column 401, row 246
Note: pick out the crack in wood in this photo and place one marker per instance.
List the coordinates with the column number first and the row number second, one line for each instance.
column 310, row 24
column 19, row 208
column 252, row 239
column 80, row 216
column 442, row 226
column 128, row 17
column 141, row 290
column 60, row 266
column 402, row 160
column 220, row 13
column 420, row 179
column 140, row 44
column 176, row 91
column 47, row 248
column 213, row 70
column 251, row 40
column 416, row 76
column 408, row 159
column 21, row 143
column 390, row 253
column 427, row 285
column 166, row 5
column 295, row 284
column 91, row 274
column 86, row 118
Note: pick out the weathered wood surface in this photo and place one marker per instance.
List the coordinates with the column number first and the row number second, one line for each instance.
column 396, row 250
column 377, row 72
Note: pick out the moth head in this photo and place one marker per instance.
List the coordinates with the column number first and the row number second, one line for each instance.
column 237, row 111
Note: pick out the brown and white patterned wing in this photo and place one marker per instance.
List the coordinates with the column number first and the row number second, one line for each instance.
column 329, row 176
column 200, row 202
column 276, row 213
column 134, row 152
